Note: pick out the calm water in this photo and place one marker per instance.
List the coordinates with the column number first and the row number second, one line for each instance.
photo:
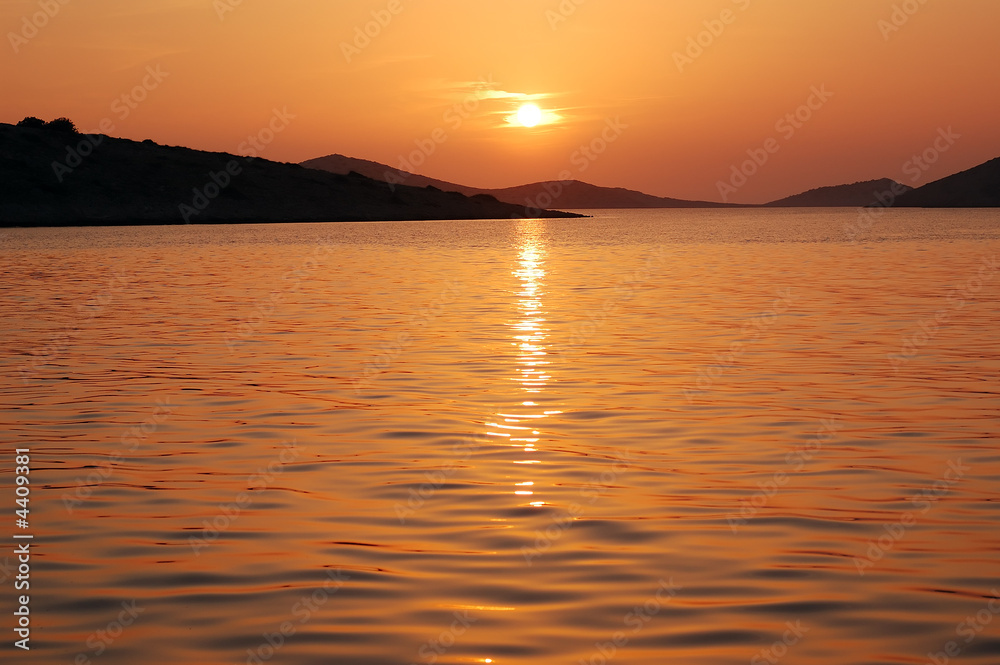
column 687, row 437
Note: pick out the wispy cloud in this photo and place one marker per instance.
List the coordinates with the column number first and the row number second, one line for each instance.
column 496, row 102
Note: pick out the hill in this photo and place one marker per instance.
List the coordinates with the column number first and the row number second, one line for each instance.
column 575, row 194
column 56, row 177
column 343, row 165
column 857, row 195
column 571, row 194
column 978, row 187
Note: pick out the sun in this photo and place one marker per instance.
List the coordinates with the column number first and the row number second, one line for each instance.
column 529, row 115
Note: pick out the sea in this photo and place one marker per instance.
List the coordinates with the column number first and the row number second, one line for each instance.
column 706, row 437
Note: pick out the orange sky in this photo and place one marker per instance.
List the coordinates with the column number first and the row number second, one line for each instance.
column 227, row 64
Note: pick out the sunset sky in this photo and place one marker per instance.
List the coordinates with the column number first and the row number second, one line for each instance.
column 680, row 124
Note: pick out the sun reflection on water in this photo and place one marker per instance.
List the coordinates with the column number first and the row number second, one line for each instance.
column 521, row 423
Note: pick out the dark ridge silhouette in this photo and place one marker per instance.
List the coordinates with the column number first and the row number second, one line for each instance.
column 572, row 194
column 978, row 187
column 52, row 176
column 575, row 194
column 857, row 195
column 341, row 164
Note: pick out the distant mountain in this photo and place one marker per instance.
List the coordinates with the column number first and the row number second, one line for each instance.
column 53, row 176
column 979, row 187
column 575, row 194
column 857, row 195
column 572, row 194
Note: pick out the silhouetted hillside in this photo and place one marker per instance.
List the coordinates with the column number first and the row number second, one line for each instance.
column 572, row 194
column 575, row 194
column 857, row 195
column 979, row 187
column 343, row 165
column 52, row 176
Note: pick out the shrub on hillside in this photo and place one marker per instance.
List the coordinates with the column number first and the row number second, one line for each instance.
column 32, row 122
